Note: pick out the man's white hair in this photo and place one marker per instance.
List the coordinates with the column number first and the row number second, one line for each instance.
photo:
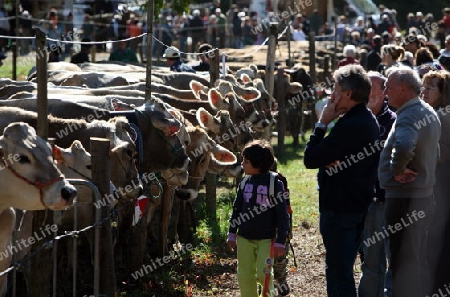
column 349, row 50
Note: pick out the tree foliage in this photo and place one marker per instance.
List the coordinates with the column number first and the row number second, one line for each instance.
column 178, row 6
column 403, row 7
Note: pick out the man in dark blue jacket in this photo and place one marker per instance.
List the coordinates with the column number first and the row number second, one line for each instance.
column 347, row 160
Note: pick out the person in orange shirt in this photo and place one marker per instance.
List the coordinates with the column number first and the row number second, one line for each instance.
column 134, row 29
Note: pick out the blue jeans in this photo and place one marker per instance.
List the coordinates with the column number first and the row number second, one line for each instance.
column 341, row 235
column 374, row 277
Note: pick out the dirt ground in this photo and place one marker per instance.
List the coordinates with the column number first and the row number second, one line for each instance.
column 305, row 280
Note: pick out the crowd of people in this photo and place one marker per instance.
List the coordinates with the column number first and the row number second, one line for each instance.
column 383, row 166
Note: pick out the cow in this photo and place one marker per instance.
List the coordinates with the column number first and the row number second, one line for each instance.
column 301, row 104
column 88, row 79
column 202, row 151
column 29, row 180
column 156, row 124
column 181, row 80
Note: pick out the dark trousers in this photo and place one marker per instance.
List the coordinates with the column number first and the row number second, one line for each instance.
column 407, row 220
column 341, row 234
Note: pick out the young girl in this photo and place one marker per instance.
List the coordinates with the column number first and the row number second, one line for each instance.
column 259, row 224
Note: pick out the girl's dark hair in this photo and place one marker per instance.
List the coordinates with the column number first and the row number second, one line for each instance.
column 260, row 154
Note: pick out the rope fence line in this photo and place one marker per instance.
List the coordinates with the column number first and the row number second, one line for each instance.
column 64, row 41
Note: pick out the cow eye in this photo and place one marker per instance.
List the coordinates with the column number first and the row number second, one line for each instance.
column 23, row 159
column 88, row 167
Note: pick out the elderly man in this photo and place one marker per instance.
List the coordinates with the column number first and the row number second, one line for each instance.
column 349, row 54
column 375, row 279
column 347, row 160
column 407, row 174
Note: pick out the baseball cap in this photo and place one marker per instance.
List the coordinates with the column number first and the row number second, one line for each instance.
column 171, row 52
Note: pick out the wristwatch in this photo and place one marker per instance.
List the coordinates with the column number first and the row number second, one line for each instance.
column 321, row 125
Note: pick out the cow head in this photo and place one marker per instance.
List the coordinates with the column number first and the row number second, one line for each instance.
column 221, row 128
column 124, row 173
column 201, row 151
column 30, row 179
column 247, row 94
column 75, row 157
column 162, row 146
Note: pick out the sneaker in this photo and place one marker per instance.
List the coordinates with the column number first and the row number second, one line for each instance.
column 283, row 289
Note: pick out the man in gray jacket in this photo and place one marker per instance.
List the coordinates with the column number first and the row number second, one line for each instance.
column 407, row 173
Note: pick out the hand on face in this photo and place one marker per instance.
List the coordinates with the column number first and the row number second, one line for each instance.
column 332, row 110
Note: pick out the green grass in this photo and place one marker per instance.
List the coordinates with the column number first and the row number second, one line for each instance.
column 24, row 65
column 303, row 192
column 302, row 182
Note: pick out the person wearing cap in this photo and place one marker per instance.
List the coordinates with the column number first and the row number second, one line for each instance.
column 206, row 52
column 172, row 55
column 123, row 53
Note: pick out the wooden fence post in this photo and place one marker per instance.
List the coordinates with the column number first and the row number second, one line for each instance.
column 270, row 64
column 104, row 258
column 282, row 113
column 211, row 179
column 148, row 54
column 41, row 265
column 312, row 71
column 41, row 71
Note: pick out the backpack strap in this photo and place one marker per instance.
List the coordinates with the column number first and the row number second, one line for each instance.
column 273, row 175
column 244, row 180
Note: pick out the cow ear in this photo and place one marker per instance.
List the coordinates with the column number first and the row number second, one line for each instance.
column 196, row 88
column 214, row 98
column 57, row 155
column 77, row 147
column 250, row 95
column 245, row 78
column 223, row 156
column 118, row 105
column 203, row 117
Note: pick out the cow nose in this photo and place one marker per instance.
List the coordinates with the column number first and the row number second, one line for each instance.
column 68, row 193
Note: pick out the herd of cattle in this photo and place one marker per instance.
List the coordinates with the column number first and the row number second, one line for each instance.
column 183, row 131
